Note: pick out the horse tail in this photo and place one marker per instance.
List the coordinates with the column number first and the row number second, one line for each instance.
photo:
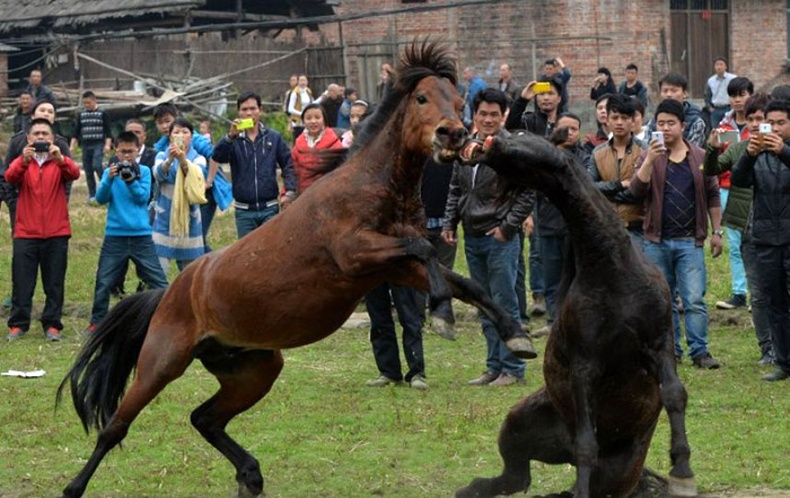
column 98, row 377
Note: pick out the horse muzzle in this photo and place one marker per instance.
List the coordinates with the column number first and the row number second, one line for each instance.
column 448, row 140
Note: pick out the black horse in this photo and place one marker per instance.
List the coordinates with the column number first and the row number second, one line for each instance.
column 609, row 365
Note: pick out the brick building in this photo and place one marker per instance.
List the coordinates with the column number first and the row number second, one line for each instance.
column 683, row 35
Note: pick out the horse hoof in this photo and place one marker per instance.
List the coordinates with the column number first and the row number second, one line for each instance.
column 442, row 327
column 522, row 347
column 682, row 486
column 244, row 492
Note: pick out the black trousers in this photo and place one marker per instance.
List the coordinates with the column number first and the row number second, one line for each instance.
column 408, row 304
column 51, row 256
column 773, row 282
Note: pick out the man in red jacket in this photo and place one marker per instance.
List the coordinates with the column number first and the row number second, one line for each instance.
column 41, row 230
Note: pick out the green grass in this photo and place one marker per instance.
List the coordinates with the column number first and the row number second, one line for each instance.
column 321, row 433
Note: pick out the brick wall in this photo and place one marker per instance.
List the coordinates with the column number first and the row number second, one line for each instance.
column 586, row 35
column 758, row 37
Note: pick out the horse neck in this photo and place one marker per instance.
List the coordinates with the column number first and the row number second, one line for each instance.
column 388, row 160
column 594, row 228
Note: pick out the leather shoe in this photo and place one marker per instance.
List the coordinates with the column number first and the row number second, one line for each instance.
column 485, row 379
column 505, row 379
column 776, row 375
column 706, row 361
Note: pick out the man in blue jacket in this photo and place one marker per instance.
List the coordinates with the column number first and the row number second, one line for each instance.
column 254, row 155
column 125, row 188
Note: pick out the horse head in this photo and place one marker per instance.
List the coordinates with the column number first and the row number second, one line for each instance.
column 523, row 159
column 430, row 105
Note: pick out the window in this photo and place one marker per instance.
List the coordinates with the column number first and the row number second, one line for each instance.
column 701, row 5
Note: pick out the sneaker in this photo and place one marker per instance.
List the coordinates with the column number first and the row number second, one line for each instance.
column 381, row 381
column 15, row 333
column 91, row 329
column 706, row 361
column 506, row 379
column 53, row 334
column 418, row 382
column 735, row 301
column 538, row 307
column 541, row 332
column 485, row 379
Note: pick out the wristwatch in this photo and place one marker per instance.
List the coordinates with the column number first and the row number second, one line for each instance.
column 718, row 232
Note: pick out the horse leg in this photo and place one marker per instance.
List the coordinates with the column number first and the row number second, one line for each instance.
column 152, row 375
column 583, row 376
column 371, row 251
column 245, row 376
column 509, row 329
column 674, row 398
column 533, row 430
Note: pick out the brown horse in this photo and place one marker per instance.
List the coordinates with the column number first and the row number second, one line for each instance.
column 292, row 282
column 609, row 365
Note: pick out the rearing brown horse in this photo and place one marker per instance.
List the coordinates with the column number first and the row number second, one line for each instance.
column 292, row 282
column 609, row 364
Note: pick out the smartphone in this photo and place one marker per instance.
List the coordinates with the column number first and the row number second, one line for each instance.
column 179, row 141
column 730, row 136
column 245, row 124
column 658, row 136
column 765, row 128
column 541, row 87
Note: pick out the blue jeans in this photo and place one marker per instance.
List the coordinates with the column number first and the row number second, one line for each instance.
column 521, row 279
column 115, row 254
column 737, row 271
column 535, row 266
column 92, row 157
column 247, row 221
column 683, row 265
column 493, row 265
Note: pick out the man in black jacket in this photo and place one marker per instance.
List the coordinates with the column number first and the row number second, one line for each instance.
column 491, row 213
column 766, row 168
column 254, row 154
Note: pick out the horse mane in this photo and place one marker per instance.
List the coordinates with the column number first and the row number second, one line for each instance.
column 420, row 59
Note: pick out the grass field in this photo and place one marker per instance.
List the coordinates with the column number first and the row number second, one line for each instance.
column 321, row 433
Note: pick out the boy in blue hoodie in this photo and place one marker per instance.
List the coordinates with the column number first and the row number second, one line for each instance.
column 125, row 188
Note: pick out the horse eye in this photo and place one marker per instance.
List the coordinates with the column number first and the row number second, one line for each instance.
column 421, row 99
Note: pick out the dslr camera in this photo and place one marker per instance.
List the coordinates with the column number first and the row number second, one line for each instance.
column 128, row 171
column 41, row 146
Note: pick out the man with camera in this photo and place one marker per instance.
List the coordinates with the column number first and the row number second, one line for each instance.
column 126, row 189
column 766, row 168
column 254, row 153
column 41, row 231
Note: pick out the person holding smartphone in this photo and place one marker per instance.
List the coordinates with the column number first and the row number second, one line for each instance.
column 720, row 159
column 679, row 201
column 766, row 168
column 254, row 153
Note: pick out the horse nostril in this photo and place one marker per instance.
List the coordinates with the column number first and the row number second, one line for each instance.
column 442, row 131
column 459, row 134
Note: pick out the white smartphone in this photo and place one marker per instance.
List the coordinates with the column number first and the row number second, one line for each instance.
column 765, row 128
column 658, row 136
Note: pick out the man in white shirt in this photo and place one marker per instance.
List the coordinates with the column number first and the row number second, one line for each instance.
column 717, row 101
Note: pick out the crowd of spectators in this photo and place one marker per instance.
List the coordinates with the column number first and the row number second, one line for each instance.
column 683, row 179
